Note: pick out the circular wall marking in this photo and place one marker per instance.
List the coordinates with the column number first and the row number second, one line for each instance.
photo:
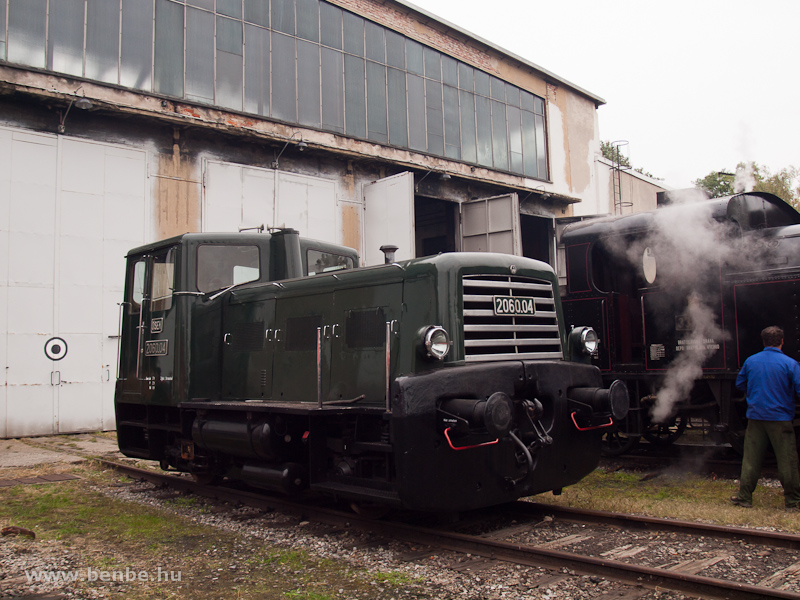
column 55, row 348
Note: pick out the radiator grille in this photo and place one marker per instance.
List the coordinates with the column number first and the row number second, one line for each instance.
column 488, row 336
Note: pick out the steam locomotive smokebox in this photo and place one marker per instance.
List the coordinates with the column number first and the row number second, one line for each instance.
column 248, row 440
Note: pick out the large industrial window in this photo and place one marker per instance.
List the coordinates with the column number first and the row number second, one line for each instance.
column 298, row 61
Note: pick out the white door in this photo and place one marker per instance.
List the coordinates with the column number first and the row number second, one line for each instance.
column 238, row 197
column 72, row 211
column 491, row 225
column 389, row 218
column 101, row 215
column 28, row 171
column 308, row 204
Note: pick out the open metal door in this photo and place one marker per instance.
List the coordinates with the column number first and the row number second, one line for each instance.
column 491, row 225
column 389, row 217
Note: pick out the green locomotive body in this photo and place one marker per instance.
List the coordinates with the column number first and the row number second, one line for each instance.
column 441, row 383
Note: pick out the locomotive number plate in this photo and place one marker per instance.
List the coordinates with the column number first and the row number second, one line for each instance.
column 513, row 306
column 155, row 347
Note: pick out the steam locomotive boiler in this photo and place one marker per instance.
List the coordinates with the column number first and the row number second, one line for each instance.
column 679, row 297
column 443, row 383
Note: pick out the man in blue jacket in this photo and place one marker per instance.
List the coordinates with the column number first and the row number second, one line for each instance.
column 771, row 380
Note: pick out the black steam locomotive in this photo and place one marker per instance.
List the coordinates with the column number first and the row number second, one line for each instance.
column 442, row 383
column 679, row 297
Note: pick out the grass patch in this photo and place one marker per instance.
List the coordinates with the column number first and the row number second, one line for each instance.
column 677, row 496
column 116, row 537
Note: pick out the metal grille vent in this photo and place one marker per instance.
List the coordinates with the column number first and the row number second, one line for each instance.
column 491, row 336
column 248, row 337
column 365, row 328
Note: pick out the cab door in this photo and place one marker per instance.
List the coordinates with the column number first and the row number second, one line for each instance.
column 148, row 348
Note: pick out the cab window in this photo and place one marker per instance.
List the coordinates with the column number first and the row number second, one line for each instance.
column 324, row 262
column 163, row 280
column 219, row 267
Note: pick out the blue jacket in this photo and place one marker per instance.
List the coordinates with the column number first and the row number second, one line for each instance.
column 771, row 380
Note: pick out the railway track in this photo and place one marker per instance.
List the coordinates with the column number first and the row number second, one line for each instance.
column 638, row 552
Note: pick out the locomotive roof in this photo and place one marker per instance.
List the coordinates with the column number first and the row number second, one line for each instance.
column 750, row 210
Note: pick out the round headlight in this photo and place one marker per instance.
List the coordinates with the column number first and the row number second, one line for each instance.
column 590, row 343
column 437, row 342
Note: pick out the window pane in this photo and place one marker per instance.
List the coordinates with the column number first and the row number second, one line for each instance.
column 398, row 120
column 26, row 31
column 283, row 16
column 512, row 95
column 481, row 83
column 483, row 117
column 414, row 57
column 469, row 150
column 102, row 40
column 163, row 281
column 230, row 53
column 376, row 45
column 416, row 113
column 499, row 135
column 433, row 105
column 331, row 25
column 168, row 72
column 65, row 44
column 284, row 101
column 526, row 100
column 452, row 137
column 354, row 101
column 541, row 149
column 353, row 34
column 207, row 4
column 395, row 49
column 498, row 88
column 308, row 19
column 231, row 8
column 308, row 83
column 514, row 139
column 433, row 64
column 136, row 62
column 257, row 11
column 376, row 102
column 2, row 30
column 256, row 76
column 199, row 55
column 221, row 266
column 538, row 105
column 449, row 71
column 466, row 77
column 332, row 90
column 529, row 144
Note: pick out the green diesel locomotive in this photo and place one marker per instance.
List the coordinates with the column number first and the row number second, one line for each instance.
column 443, row 383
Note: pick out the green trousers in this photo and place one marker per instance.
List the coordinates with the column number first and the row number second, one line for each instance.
column 757, row 439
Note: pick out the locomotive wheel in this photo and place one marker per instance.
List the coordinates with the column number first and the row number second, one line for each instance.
column 663, row 434
column 369, row 510
column 617, row 442
column 206, row 478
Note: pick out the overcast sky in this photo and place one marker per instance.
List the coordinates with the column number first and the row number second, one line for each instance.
column 694, row 86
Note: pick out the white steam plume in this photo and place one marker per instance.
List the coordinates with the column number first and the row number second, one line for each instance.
column 687, row 243
column 745, row 179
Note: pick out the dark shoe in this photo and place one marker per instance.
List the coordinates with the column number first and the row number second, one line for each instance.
column 735, row 500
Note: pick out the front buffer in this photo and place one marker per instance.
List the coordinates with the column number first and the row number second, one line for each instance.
column 485, row 434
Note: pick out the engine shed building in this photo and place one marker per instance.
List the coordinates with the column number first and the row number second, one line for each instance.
column 358, row 122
